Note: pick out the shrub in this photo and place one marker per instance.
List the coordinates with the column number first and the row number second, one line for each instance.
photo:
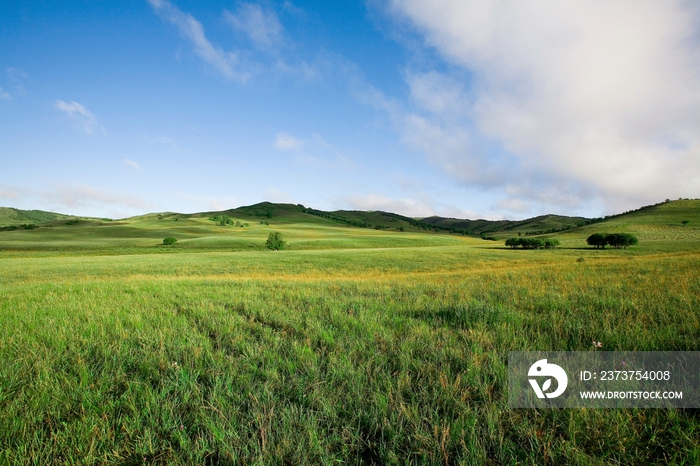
column 169, row 240
column 275, row 241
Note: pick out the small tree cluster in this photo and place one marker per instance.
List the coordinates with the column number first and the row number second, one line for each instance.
column 275, row 241
column 169, row 240
column 616, row 240
column 222, row 220
column 532, row 243
column 225, row 220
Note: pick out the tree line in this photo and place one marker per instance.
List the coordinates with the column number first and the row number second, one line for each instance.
column 532, row 243
column 616, row 240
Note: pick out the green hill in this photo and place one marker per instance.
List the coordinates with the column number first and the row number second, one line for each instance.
column 304, row 229
column 10, row 216
column 537, row 225
column 657, row 227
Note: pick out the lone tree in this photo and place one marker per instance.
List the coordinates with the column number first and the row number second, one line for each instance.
column 685, row 222
column 275, row 241
column 169, row 240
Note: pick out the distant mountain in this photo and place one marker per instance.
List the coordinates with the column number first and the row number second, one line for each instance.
column 536, row 225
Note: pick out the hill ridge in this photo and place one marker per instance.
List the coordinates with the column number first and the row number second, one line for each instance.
column 378, row 219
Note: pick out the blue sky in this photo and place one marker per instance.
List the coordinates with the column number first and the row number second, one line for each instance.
column 466, row 109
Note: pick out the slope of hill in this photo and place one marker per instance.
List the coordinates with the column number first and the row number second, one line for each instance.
column 11, row 216
column 537, row 225
column 661, row 226
column 247, row 229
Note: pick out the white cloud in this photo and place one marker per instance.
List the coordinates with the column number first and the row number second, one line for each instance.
column 4, row 95
column 262, row 26
column 16, row 73
column 438, row 93
column 132, row 164
column 210, row 203
column 314, row 152
column 275, row 195
column 285, row 141
column 514, row 204
column 596, row 98
column 424, row 206
column 78, row 199
column 164, row 140
column 79, row 195
column 405, row 206
column 221, row 204
column 17, row 76
column 83, row 117
column 227, row 63
column 8, row 194
column 293, row 9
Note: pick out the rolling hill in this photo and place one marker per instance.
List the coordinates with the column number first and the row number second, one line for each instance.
column 659, row 226
column 536, row 225
column 11, row 216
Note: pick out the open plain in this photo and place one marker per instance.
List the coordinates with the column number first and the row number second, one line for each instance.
column 350, row 346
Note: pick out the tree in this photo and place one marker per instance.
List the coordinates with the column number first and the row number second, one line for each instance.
column 597, row 240
column 551, row 243
column 532, row 243
column 275, row 241
column 169, row 240
column 513, row 242
column 222, row 220
column 616, row 240
column 621, row 240
column 685, row 222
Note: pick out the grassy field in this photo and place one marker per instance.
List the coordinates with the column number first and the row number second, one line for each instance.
column 353, row 346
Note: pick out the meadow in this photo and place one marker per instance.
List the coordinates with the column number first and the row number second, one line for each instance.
column 352, row 346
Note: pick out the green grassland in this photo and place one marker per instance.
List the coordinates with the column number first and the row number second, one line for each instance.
column 351, row 346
